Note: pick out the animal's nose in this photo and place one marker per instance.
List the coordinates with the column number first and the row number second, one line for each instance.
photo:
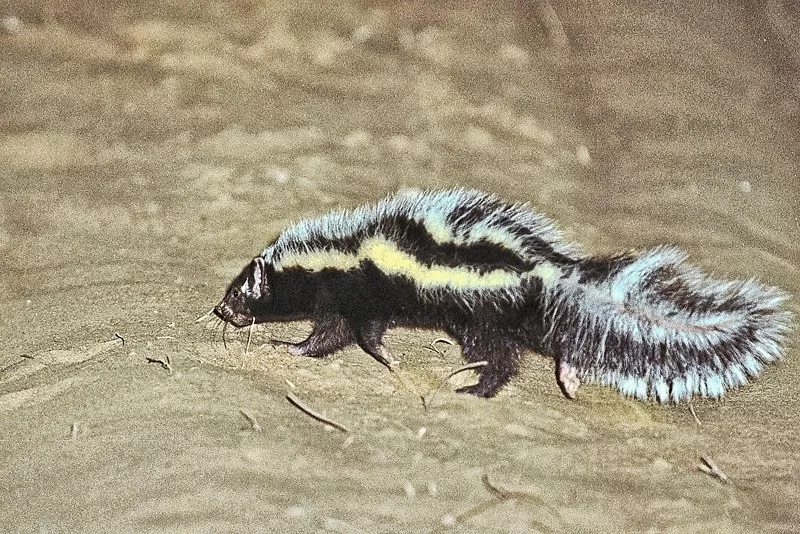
column 222, row 311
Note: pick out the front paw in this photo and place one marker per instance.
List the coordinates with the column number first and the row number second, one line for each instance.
column 295, row 349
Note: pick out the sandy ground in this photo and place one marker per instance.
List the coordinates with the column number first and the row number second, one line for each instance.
column 149, row 150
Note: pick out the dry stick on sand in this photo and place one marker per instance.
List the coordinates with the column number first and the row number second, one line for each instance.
column 473, row 365
column 548, row 18
column 206, row 315
column 397, row 373
column 250, row 336
column 501, row 495
column 314, row 415
column 116, row 335
column 166, row 363
column 224, row 328
column 697, row 419
column 254, row 426
column 710, row 468
column 433, row 343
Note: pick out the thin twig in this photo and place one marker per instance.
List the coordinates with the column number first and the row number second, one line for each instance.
column 249, row 336
column 314, row 415
column 204, row 316
column 467, row 367
column 552, row 24
column 216, row 325
column 409, row 385
column 499, row 496
column 73, row 432
column 432, row 345
column 697, row 419
column 506, row 494
column 254, row 426
column 165, row 363
column 116, row 335
column 710, row 468
column 498, row 492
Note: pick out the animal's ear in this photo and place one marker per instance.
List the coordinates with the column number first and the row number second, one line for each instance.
column 260, row 276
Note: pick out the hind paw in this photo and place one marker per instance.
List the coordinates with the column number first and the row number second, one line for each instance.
column 568, row 381
column 295, row 349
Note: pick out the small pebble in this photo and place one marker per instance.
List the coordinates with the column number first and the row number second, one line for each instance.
column 297, row 512
column 660, row 464
column 11, row 24
column 582, row 154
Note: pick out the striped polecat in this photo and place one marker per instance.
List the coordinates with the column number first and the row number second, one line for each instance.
column 500, row 280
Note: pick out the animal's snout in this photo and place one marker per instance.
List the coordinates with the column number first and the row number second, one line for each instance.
column 223, row 311
column 228, row 314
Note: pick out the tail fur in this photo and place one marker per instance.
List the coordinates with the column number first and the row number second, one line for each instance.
column 655, row 327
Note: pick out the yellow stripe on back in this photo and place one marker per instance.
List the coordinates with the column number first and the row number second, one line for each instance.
column 389, row 259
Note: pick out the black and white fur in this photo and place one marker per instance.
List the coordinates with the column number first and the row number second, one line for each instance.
column 500, row 280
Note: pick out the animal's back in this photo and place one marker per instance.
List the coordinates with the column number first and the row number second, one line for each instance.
column 459, row 245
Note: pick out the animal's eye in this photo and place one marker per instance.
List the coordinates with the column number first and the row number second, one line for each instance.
column 235, row 293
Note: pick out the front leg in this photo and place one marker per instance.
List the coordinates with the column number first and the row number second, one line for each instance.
column 502, row 357
column 369, row 336
column 329, row 334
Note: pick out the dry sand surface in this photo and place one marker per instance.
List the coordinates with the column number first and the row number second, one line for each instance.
column 149, row 149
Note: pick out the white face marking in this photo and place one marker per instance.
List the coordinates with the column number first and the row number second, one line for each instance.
column 259, row 266
column 252, row 287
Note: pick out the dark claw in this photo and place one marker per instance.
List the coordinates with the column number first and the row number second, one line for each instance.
column 479, row 390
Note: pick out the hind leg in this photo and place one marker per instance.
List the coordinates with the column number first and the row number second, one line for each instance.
column 328, row 335
column 502, row 357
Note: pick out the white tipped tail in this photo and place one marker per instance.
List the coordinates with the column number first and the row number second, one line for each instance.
column 654, row 327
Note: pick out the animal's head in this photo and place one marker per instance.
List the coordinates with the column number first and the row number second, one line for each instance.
column 248, row 293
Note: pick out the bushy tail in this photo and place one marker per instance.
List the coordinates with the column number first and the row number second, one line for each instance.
column 654, row 327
